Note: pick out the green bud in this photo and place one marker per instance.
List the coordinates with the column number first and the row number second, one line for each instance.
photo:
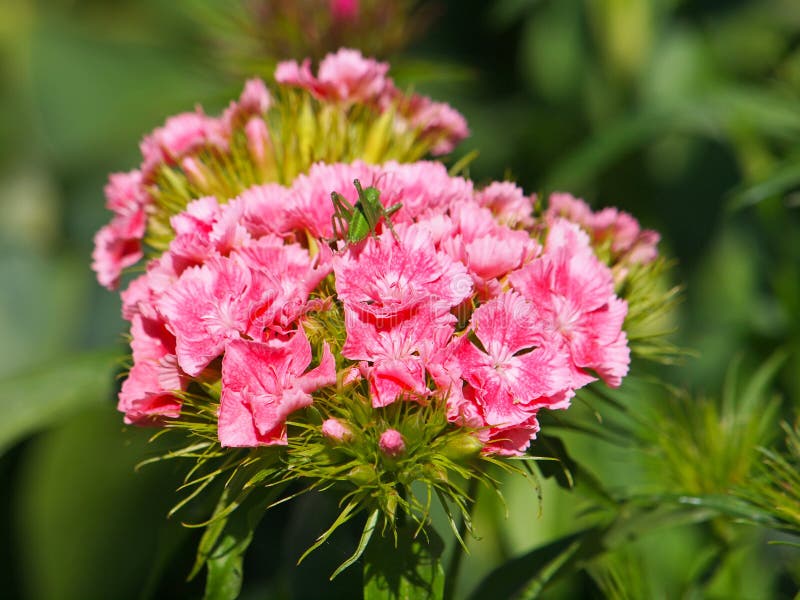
column 462, row 447
column 362, row 475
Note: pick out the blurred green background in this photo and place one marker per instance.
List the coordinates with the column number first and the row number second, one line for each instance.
column 685, row 113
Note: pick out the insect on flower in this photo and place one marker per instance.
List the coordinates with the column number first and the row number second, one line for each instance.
column 363, row 218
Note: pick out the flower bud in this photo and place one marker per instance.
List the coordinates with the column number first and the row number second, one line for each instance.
column 392, row 443
column 362, row 475
column 335, row 431
column 462, row 447
column 258, row 140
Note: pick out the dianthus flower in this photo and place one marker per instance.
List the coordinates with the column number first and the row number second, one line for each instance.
column 421, row 334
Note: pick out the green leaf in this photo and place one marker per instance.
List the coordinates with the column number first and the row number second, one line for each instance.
column 528, row 574
column 224, row 580
column 46, row 395
column 568, row 473
column 409, row 570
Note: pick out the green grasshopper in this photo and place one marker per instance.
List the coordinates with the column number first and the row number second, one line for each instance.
column 363, row 218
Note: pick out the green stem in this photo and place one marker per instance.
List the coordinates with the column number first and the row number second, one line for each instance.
column 454, row 564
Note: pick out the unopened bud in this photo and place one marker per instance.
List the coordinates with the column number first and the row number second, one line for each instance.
column 334, row 430
column 461, row 447
column 362, row 475
column 392, row 443
column 257, row 139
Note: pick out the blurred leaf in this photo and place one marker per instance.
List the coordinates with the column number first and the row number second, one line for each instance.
column 411, row 569
column 567, row 472
column 230, row 538
column 47, row 395
column 88, row 526
column 782, row 180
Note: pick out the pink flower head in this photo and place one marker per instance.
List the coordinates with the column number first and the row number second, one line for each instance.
column 389, row 280
column 566, row 206
column 117, row 246
column 254, row 102
column 211, row 305
column 125, row 193
column 436, row 121
column 488, row 250
column 205, row 228
column 396, row 355
column 180, row 135
column 424, row 188
column 625, row 235
column 511, row 367
column 573, row 297
column 334, row 430
column 392, row 443
column 267, row 209
column 310, row 205
column 508, row 203
column 345, row 76
column 262, row 384
column 148, row 393
column 288, row 274
column 627, row 241
column 258, row 139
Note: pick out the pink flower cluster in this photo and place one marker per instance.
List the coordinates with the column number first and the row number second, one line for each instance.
column 474, row 302
column 344, row 78
column 118, row 245
column 628, row 242
column 348, row 77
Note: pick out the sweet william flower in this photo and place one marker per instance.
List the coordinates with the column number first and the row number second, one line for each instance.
column 572, row 293
column 387, row 279
column 209, row 306
column 515, row 370
column 262, row 384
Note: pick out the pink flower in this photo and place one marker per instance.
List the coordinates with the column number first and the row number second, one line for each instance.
column 566, row 206
column 211, row 305
column 148, row 393
column 424, row 188
column 262, row 384
column 440, row 123
column 288, row 274
column 395, row 355
column 116, row 247
column 205, row 228
column 508, row 203
column 258, row 140
column 629, row 244
column 392, row 443
column 180, row 135
column 489, row 250
column 385, row 279
column 345, row 76
column 573, row 297
column 267, row 209
column 513, row 369
column 311, row 207
column 126, row 194
column 254, row 102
